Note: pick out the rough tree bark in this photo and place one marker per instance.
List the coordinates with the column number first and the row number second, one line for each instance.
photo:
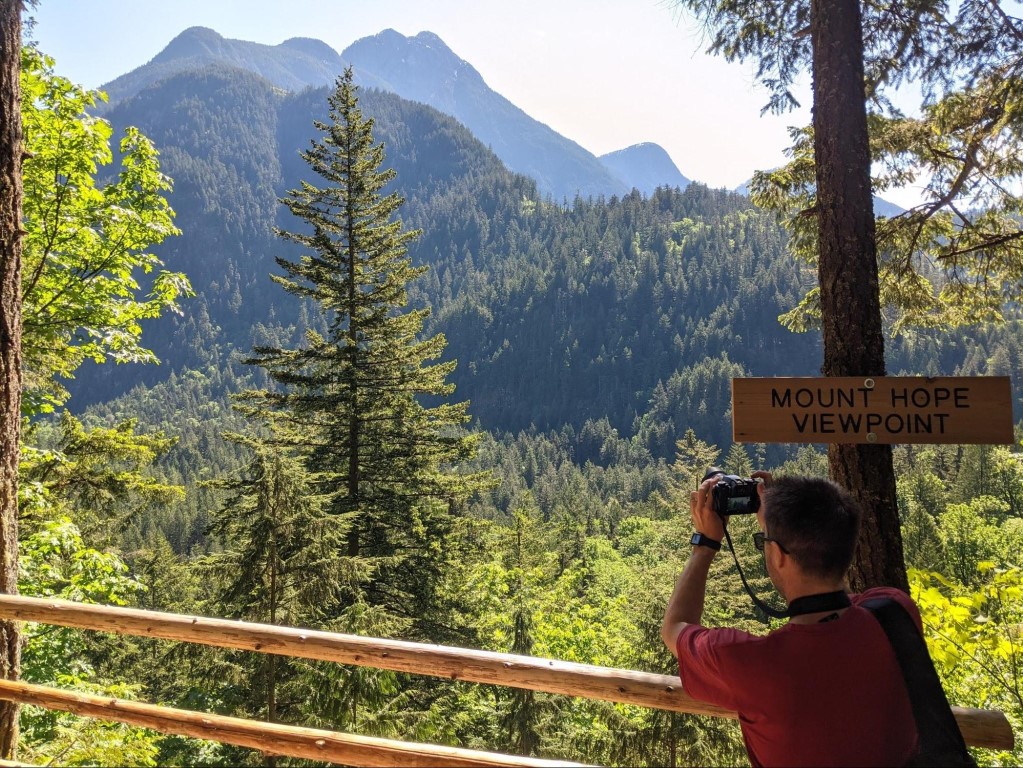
column 10, row 347
column 850, row 300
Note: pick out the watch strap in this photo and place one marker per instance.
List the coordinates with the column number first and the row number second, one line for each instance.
column 700, row 540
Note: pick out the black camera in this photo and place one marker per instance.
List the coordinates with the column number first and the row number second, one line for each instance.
column 734, row 495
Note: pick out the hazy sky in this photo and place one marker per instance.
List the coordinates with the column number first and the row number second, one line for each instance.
column 604, row 73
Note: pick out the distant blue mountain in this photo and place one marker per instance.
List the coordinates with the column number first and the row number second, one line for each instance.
column 882, row 207
column 885, row 208
column 420, row 68
column 645, row 167
column 293, row 65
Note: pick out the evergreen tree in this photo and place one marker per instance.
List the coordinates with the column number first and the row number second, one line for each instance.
column 693, row 457
column 362, row 402
column 737, row 462
column 275, row 567
column 101, row 477
column 521, row 722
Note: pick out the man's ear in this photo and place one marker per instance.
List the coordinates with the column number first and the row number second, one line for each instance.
column 780, row 559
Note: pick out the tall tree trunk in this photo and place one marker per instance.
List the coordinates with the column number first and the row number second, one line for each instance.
column 850, row 300
column 354, row 436
column 10, row 347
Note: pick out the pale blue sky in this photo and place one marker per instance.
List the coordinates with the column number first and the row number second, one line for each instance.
column 604, row 73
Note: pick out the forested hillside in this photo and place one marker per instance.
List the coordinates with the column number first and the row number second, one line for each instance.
column 602, row 309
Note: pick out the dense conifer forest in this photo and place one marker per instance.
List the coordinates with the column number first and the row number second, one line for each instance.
column 590, row 344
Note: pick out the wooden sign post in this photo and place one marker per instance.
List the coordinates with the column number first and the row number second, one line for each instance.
column 882, row 409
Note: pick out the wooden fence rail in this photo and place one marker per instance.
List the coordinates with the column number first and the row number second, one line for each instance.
column 272, row 738
column 624, row 686
column 981, row 728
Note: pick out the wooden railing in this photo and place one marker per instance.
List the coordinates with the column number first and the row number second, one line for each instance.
column 273, row 738
column 981, row 728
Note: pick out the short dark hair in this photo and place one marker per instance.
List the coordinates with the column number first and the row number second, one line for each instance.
column 816, row 520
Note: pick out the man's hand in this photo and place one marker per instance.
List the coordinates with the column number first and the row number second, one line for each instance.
column 765, row 478
column 701, row 506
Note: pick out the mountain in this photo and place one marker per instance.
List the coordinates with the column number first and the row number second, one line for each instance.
column 885, row 208
column 882, row 207
column 420, row 68
column 423, row 68
column 293, row 65
column 644, row 167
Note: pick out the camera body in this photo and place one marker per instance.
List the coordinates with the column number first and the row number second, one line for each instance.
column 734, row 495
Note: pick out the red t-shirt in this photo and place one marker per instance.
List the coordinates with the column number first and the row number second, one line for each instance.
column 819, row 694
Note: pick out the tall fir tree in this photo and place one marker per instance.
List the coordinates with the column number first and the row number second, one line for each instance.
column 363, row 402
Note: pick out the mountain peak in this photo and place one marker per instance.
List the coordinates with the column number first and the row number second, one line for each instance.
column 392, row 51
column 311, row 47
column 645, row 166
column 388, row 35
column 431, row 38
column 292, row 65
column 198, row 33
column 194, row 41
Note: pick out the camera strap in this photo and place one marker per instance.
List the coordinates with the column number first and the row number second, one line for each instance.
column 819, row 603
column 825, row 601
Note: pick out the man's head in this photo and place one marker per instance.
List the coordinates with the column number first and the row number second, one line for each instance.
column 816, row 523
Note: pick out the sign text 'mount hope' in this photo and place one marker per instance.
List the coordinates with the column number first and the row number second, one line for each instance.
column 882, row 409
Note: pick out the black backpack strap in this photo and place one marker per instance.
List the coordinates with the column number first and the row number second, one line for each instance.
column 941, row 742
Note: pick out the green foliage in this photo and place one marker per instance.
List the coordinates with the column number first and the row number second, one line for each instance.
column 55, row 562
column 50, row 738
column 84, row 253
column 921, row 542
column 973, row 634
column 97, row 474
column 967, row 536
column 953, row 260
column 87, row 243
column 275, row 541
column 692, row 459
column 277, row 565
column 957, row 257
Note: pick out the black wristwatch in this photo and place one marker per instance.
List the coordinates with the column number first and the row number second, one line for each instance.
column 699, row 540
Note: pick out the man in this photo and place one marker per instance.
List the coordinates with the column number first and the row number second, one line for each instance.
column 823, row 690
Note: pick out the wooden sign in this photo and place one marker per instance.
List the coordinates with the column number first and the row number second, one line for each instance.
column 882, row 409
